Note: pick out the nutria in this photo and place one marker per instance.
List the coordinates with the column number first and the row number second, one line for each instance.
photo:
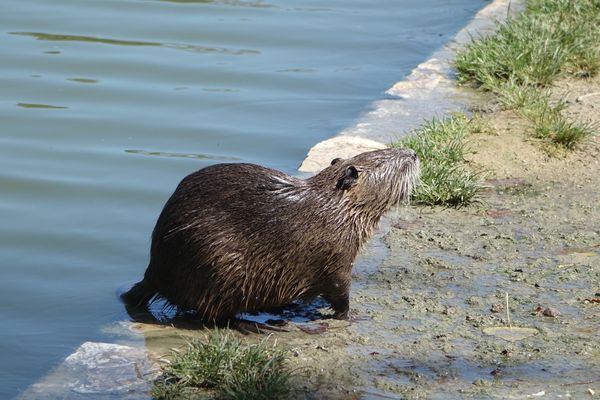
column 239, row 238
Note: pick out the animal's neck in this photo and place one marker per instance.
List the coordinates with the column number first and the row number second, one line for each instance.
column 364, row 221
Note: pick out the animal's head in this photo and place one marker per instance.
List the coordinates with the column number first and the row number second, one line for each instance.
column 376, row 179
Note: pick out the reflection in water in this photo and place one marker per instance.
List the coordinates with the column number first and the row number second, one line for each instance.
column 80, row 38
column 177, row 46
column 83, row 80
column 305, row 70
column 181, row 155
column 220, row 90
column 34, row 105
column 201, row 49
column 161, row 312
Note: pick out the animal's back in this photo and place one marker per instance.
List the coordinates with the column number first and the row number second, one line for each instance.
column 216, row 245
column 241, row 237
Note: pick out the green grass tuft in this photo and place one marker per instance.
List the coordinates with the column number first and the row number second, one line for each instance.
column 563, row 133
column 441, row 146
column 223, row 367
column 549, row 39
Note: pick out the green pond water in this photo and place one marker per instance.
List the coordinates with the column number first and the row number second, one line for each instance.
column 106, row 104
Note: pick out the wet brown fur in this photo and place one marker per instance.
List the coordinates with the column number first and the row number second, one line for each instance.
column 242, row 238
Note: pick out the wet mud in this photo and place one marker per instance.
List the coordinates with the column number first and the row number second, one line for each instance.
column 423, row 312
column 425, row 291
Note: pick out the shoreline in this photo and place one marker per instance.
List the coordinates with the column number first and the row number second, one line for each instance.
column 429, row 91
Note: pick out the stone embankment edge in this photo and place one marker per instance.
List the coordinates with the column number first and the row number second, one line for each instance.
column 429, row 91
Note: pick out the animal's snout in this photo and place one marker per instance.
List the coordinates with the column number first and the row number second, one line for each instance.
column 412, row 155
column 403, row 152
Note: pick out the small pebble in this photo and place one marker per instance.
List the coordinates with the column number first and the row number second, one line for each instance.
column 551, row 312
column 449, row 311
column 497, row 308
column 538, row 309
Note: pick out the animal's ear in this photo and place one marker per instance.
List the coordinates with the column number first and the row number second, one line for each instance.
column 348, row 180
column 336, row 160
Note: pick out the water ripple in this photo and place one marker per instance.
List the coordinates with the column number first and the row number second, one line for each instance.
column 118, row 42
column 81, row 38
column 235, row 3
column 83, row 80
column 35, row 105
column 181, row 155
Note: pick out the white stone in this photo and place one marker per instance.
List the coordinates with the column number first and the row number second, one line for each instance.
column 322, row 153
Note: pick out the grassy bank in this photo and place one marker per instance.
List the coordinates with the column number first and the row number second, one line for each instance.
column 445, row 177
column 222, row 367
column 550, row 39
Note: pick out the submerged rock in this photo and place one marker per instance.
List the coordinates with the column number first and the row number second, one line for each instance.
column 98, row 371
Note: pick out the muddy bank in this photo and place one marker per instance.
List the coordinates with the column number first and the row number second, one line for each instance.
column 422, row 312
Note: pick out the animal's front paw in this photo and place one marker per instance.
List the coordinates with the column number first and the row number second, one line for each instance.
column 341, row 314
